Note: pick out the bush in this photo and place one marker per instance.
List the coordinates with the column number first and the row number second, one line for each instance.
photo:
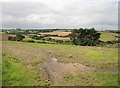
column 36, row 37
column 40, row 42
column 11, row 38
column 113, row 41
column 31, row 41
column 67, row 42
column 108, row 44
column 48, row 39
column 59, row 41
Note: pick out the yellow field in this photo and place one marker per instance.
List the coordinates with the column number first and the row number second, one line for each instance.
column 59, row 33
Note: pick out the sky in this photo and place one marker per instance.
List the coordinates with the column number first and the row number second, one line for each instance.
column 99, row 14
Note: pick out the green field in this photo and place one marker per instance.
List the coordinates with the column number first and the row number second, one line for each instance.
column 106, row 36
column 21, row 60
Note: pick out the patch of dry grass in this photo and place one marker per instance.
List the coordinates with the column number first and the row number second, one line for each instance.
column 59, row 38
column 59, row 33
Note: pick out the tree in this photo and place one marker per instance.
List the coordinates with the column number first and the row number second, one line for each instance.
column 19, row 37
column 26, row 32
column 85, row 37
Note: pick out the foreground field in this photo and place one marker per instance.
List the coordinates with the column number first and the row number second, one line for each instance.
column 22, row 64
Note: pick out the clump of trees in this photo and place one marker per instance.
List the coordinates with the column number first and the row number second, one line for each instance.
column 26, row 32
column 12, row 38
column 85, row 37
column 36, row 37
column 115, row 31
column 18, row 37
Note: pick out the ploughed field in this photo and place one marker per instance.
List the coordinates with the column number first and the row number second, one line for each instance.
column 32, row 64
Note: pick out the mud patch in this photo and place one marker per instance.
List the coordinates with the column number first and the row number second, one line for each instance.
column 57, row 70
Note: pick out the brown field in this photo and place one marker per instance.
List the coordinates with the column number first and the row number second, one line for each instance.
column 59, row 38
column 3, row 36
column 59, row 33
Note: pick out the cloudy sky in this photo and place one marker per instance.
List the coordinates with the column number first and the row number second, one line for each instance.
column 99, row 14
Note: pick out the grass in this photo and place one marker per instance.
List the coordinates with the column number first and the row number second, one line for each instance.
column 21, row 58
column 92, row 79
column 106, row 36
column 3, row 36
column 94, row 56
column 26, row 39
column 106, row 78
column 68, row 77
column 1, row 32
column 99, row 57
column 17, row 74
column 0, row 65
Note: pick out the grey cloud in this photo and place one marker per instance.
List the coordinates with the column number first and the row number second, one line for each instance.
column 73, row 14
column 25, row 8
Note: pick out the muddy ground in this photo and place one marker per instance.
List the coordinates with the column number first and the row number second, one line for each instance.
column 57, row 70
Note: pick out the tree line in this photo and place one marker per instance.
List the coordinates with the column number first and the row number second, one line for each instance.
column 85, row 37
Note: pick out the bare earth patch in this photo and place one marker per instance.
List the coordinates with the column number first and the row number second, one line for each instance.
column 56, row 70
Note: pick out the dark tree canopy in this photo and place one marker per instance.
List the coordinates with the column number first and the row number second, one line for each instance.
column 85, row 37
column 19, row 37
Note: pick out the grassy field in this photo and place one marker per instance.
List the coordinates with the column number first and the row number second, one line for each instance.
column 106, row 36
column 21, row 63
column 18, row 70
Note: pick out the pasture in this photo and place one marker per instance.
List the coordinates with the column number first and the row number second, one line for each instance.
column 106, row 36
column 24, row 62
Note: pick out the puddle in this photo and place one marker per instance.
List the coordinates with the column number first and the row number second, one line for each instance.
column 56, row 70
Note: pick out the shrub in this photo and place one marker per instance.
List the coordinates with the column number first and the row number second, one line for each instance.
column 36, row 37
column 48, row 39
column 113, row 41
column 67, row 42
column 11, row 38
column 59, row 41
column 31, row 41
